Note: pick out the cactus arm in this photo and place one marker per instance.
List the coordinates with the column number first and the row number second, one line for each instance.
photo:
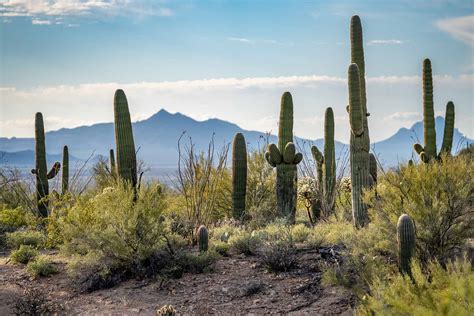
column 418, row 148
column 298, row 158
column 54, row 170
column 429, row 131
column 112, row 161
column 285, row 126
column 275, row 154
column 65, row 173
column 289, row 153
column 268, row 158
column 239, row 175
column 448, row 129
column 319, row 159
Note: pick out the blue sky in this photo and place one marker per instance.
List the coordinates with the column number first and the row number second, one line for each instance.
column 231, row 60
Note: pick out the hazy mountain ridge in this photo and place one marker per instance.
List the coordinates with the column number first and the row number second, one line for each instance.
column 156, row 140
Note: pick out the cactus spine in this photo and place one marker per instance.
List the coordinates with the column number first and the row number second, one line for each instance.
column 65, row 173
column 40, row 170
column 239, row 175
column 112, row 161
column 126, row 156
column 429, row 151
column 406, row 243
column 203, row 238
column 326, row 165
column 285, row 159
column 359, row 157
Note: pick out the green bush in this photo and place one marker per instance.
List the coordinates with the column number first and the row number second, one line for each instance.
column 24, row 254
column 32, row 238
column 15, row 218
column 244, row 243
column 41, row 267
column 200, row 263
column 300, row 233
column 278, row 253
column 439, row 197
column 222, row 248
column 439, row 291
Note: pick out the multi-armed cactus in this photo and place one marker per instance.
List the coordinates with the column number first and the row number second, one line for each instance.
column 126, row 156
column 65, row 172
column 406, row 242
column 359, row 155
column 239, row 176
column 112, row 161
column 429, row 151
column 326, row 165
column 40, row 170
column 203, row 238
column 285, row 159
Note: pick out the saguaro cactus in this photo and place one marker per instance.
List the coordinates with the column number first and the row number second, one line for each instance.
column 65, row 172
column 372, row 170
column 112, row 161
column 40, row 170
column 359, row 155
column 239, row 175
column 203, row 238
column 285, row 159
column 326, row 165
column 429, row 151
column 126, row 156
column 406, row 243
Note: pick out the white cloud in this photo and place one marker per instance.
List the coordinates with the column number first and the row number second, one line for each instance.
column 403, row 116
column 241, row 40
column 40, row 22
column 461, row 28
column 386, row 42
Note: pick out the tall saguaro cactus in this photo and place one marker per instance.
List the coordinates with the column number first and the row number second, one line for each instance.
column 239, row 175
column 406, row 243
column 429, row 151
column 126, row 156
column 65, row 172
column 326, row 165
column 285, row 159
column 40, row 170
column 359, row 155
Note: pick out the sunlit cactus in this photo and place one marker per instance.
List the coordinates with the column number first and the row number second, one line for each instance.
column 406, row 243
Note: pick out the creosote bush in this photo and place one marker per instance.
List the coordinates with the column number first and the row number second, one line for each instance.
column 33, row 238
column 41, row 267
column 24, row 254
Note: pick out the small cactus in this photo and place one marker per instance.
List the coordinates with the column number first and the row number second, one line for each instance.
column 239, row 176
column 203, row 238
column 112, row 161
column 167, row 310
column 406, row 243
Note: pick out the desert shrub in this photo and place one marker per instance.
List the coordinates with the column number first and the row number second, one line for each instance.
column 221, row 247
column 300, row 233
column 32, row 238
column 14, row 191
column 41, row 267
column 439, row 291
column 15, row 218
column 34, row 301
column 439, row 197
column 224, row 231
column 199, row 263
column 244, row 243
column 24, row 254
column 278, row 253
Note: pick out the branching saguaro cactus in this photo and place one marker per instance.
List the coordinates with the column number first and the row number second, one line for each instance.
column 239, row 176
column 203, row 238
column 326, row 165
column 112, row 161
column 126, row 156
column 40, row 170
column 285, row 159
column 359, row 155
column 65, row 172
column 406, row 243
column 429, row 151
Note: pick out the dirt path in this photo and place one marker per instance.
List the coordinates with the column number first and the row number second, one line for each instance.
column 238, row 285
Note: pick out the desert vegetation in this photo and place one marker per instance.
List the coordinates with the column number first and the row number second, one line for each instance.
column 397, row 241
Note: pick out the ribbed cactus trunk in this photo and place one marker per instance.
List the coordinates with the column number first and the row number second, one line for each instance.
column 286, row 173
column 239, row 176
column 112, row 161
column 406, row 243
column 65, row 172
column 448, row 129
column 329, row 159
column 429, row 131
column 203, row 238
column 126, row 156
column 42, row 187
column 359, row 156
column 372, row 169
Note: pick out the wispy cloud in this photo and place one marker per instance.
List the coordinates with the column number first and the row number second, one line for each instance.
column 386, row 42
column 40, row 22
column 258, row 41
column 240, row 40
column 461, row 28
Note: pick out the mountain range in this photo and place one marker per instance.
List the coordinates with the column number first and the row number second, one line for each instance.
column 156, row 140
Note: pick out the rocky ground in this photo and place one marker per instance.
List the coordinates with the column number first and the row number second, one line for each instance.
column 237, row 285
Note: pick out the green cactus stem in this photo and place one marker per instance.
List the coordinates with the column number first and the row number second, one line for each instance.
column 126, row 156
column 359, row 155
column 406, row 243
column 40, row 170
column 112, row 161
column 285, row 159
column 428, row 152
column 65, row 173
column 373, row 169
column 239, row 176
column 203, row 238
